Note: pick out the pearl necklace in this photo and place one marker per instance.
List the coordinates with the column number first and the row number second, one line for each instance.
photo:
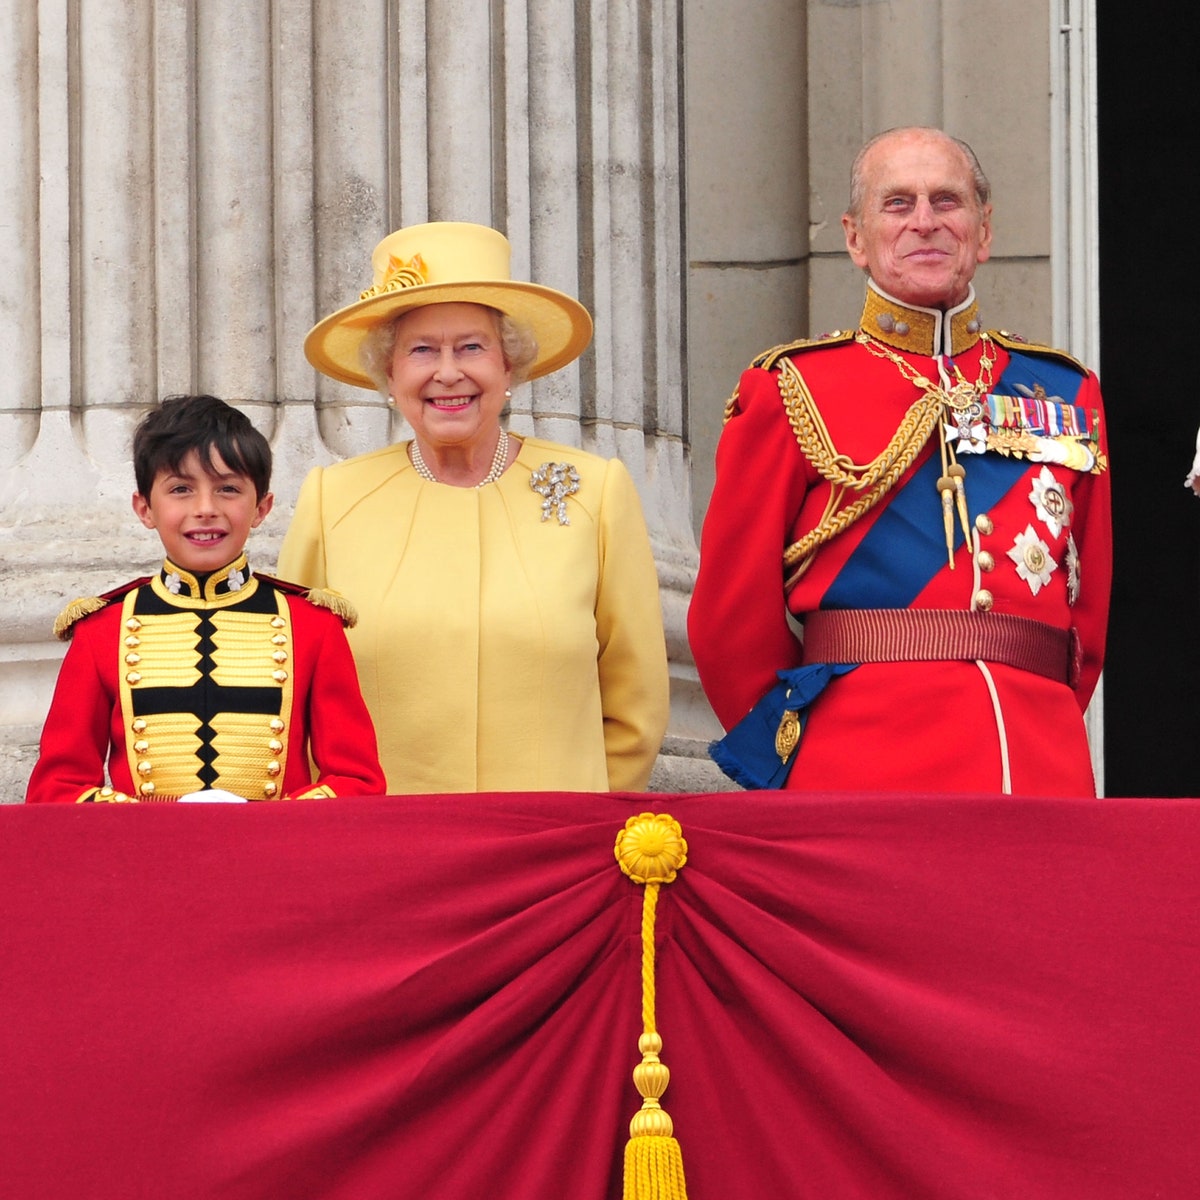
column 499, row 462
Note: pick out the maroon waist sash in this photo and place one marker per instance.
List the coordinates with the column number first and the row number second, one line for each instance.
column 874, row 635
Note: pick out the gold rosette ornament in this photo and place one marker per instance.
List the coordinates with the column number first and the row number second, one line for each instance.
column 651, row 850
column 401, row 273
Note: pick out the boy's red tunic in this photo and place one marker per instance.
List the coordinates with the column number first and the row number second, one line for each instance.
column 1039, row 548
column 183, row 684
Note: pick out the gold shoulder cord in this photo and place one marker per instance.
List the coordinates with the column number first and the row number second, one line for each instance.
column 871, row 482
column 726, row 416
column 768, row 360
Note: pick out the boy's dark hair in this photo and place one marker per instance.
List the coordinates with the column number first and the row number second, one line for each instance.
column 180, row 424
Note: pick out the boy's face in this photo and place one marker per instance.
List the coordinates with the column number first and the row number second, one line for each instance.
column 202, row 517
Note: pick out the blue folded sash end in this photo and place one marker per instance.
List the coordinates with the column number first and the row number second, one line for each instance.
column 747, row 752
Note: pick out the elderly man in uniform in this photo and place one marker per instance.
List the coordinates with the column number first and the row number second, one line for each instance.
column 905, row 566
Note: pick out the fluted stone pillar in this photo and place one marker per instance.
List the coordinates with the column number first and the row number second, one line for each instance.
column 189, row 186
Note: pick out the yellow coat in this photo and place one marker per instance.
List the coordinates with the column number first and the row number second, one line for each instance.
column 496, row 651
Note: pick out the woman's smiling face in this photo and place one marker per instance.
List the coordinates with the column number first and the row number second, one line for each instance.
column 448, row 375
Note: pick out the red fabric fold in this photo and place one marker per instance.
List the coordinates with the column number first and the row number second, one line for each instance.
column 858, row 997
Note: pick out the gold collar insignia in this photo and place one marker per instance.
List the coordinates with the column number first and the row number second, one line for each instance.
column 220, row 587
column 927, row 331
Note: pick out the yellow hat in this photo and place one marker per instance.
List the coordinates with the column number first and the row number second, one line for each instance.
column 443, row 262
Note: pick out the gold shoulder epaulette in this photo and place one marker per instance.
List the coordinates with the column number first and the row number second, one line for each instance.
column 335, row 602
column 1011, row 341
column 64, row 623
column 769, row 359
column 321, row 597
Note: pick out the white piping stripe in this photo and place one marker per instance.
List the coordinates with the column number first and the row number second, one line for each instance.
column 1001, row 732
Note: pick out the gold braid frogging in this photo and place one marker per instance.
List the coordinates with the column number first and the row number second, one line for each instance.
column 873, row 481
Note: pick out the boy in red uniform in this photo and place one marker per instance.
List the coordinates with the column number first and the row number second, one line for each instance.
column 205, row 680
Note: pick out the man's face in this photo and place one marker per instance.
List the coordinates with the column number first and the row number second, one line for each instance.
column 921, row 231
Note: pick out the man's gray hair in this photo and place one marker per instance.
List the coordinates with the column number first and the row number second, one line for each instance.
column 983, row 189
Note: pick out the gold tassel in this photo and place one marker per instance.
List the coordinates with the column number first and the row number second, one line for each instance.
column 336, row 603
column 958, row 473
column 651, row 851
column 946, row 486
column 75, row 611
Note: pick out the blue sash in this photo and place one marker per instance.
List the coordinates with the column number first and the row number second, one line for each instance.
column 747, row 752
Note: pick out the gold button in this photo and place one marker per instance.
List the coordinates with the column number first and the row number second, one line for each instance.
column 147, row 788
column 106, row 792
column 133, row 677
column 132, row 641
column 138, row 726
column 275, row 746
column 273, row 767
column 270, row 790
column 983, row 600
column 984, row 524
column 277, row 725
column 279, row 640
column 141, row 746
column 277, row 622
column 133, row 624
column 132, row 660
column 986, row 561
column 280, row 656
column 144, row 767
column 279, row 676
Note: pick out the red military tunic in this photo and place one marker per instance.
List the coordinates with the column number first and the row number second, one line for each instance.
column 184, row 684
column 1038, row 514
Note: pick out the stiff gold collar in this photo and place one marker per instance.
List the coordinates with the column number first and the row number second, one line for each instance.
column 222, row 586
column 927, row 331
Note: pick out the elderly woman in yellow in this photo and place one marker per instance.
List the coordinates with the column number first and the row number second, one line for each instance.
column 509, row 636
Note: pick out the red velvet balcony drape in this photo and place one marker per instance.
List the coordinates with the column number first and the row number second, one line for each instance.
column 858, row 996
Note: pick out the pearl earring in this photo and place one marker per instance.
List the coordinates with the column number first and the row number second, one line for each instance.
column 508, row 393
column 391, row 401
